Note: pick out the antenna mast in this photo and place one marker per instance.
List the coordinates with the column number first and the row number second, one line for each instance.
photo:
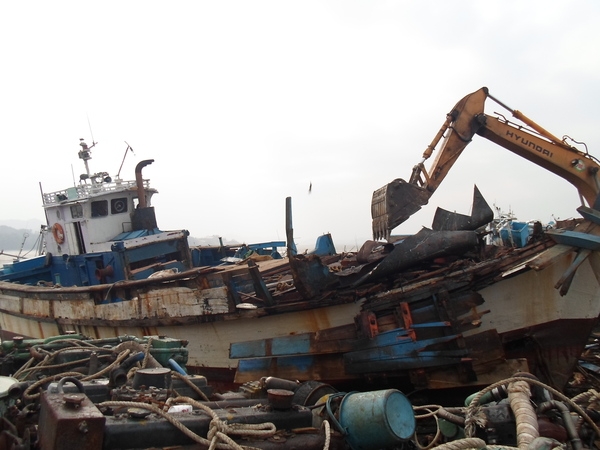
column 91, row 132
column 124, row 156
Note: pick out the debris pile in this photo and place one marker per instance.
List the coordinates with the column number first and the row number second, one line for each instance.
column 132, row 393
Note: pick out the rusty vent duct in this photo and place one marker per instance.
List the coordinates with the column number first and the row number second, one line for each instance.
column 140, row 182
column 143, row 217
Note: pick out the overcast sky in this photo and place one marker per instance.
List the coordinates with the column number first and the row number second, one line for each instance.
column 244, row 103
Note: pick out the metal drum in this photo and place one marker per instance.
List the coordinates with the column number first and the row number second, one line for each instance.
column 378, row 419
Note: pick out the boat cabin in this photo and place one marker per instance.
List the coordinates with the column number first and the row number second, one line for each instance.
column 102, row 231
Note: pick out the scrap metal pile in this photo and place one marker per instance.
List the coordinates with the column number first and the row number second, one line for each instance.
column 133, row 393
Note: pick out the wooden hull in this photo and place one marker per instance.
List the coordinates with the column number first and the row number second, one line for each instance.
column 185, row 308
column 474, row 325
column 518, row 306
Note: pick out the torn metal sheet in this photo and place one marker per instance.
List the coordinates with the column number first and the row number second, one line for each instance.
column 481, row 215
column 423, row 246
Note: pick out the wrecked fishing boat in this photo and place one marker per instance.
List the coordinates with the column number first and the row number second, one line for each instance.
column 108, row 270
column 443, row 307
column 438, row 309
column 131, row 393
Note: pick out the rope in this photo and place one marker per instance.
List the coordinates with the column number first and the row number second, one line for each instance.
column 433, row 410
column 218, row 428
column 59, row 366
column 459, row 444
column 27, row 393
column 438, row 432
column 117, row 361
column 327, row 427
column 591, row 397
column 37, row 384
column 473, row 408
column 45, row 363
column 219, row 431
column 173, row 421
column 23, row 368
column 147, row 352
column 519, row 396
column 187, row 381
column 76, row 342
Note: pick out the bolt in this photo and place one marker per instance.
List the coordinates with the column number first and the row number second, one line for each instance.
column 83, row 427
column 74, row 400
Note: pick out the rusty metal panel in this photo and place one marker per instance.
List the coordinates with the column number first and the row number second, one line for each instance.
column 72, row 308
column 182, row 301
column 176, row 301
column 34, row 307
column 69, row 421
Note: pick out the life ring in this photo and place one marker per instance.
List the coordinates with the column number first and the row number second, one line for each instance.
column 58, row 233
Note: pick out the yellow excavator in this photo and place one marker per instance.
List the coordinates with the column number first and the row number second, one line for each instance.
column 397, row 201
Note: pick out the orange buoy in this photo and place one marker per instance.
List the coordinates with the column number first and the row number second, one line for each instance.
column 58, row 233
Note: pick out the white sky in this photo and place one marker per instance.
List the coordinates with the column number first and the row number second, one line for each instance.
column 243, row 103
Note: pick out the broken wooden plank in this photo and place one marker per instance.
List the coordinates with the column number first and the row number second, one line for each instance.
column 548, row 256
column 564, row 283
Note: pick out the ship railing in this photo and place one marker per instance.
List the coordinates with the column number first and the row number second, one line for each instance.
column 86, row 190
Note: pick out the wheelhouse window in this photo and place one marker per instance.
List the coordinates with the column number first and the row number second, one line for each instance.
column 118, row 205
column 100, row 208
column 76, row 211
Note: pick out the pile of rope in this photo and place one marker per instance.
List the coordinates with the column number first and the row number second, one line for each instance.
column 526, row 417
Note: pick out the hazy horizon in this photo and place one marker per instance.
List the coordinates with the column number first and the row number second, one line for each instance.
column 242, row 104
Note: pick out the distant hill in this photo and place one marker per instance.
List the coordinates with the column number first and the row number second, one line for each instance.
column 12, row 238
column 31, row 224
column 210, row 241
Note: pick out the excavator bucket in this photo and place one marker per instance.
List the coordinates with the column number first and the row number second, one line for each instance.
column 393, row 204
column 396, row 202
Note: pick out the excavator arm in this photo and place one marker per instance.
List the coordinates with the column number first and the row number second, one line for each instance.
column 397, row 201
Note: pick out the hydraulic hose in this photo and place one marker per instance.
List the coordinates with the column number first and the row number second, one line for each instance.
column 567, row 421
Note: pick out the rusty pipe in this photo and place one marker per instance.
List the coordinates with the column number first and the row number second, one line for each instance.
column 107, row 271
column 140, row 182
column 567, row 420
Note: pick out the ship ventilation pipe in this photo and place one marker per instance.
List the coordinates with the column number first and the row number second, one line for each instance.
column 140, row 182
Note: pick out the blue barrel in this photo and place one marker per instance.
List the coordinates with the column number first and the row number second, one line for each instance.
column 377, row 419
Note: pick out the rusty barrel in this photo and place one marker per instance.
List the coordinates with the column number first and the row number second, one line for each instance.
column 376, row 419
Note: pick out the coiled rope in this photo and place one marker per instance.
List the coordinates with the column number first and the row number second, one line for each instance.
column 474, row 416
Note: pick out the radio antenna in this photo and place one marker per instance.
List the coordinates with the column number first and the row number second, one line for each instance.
column 91, row 132
column 124, row 156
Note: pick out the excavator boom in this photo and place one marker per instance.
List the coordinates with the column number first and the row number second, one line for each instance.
column 397, row 201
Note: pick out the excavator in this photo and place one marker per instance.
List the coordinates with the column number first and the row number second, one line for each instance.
column 397, row 201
